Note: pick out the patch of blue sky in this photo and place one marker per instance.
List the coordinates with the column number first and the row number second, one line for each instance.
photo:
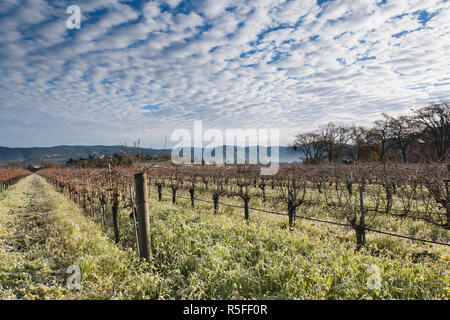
column 204, row 28
column 441, row 84
column 240, row 25
column 251, row 65
column 400, row 34
column 135, row 4
column 424, row 16
column 152, row 107
column 341, row 61
column 200, row 30
column 324, row 4
column 214, row 49
column 366, row 58
column 93, row 17
column 421, row 87
column 231, row 9
column 288, row 41
column 278, row 55
column 185, row 7
column 8, row 13
column 54, row 80
column 320, row 2
column 107, row 82
column 400, row 16
column 249, row 53
column 263, row 34
column 343, row 34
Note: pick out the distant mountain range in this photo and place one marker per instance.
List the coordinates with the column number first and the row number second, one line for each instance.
column 64, row 153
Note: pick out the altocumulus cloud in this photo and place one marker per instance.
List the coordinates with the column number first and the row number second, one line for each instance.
column 139, row 69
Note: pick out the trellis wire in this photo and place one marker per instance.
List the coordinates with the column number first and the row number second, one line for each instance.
column 323, row 221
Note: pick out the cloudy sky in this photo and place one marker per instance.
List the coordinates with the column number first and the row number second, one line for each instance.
column 140, row 69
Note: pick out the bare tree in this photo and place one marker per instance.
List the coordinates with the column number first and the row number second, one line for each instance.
column 311, row 146
column 334, row 139
column 403, row 133
column 435, row 120
column 380, row 137
column 361, row 147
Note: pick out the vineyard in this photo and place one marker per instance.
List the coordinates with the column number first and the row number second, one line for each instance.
column 10, row 176
column 359, row 197
column 226, row 232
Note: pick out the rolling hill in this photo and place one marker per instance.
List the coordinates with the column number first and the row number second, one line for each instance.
column 64, row 153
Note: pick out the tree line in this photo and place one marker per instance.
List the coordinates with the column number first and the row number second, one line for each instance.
column 118, row 158
column 419, row 135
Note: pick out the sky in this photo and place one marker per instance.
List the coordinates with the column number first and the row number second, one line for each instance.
column 141, row 69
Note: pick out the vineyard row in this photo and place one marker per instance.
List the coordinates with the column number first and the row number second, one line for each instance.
column 356, row 194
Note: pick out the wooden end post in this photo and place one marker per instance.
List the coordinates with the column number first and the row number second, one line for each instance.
column 140, row 180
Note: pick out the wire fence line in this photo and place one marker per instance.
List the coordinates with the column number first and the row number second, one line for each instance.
column 305, row 218
column 393, row 211
column 273, row 212
column 407, row 237
column 320, row 221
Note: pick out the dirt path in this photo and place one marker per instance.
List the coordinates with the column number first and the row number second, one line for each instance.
column 28, row 268
column 42, row 234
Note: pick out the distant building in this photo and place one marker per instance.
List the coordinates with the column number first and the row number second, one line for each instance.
column 33, row 167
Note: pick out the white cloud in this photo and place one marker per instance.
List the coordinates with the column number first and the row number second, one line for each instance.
column 211, row 8
column 173, row 3
column 269, row 63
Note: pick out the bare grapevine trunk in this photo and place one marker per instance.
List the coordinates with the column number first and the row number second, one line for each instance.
column 191, row 192
column 159, row 192
column 115, row 214
column 174, row 195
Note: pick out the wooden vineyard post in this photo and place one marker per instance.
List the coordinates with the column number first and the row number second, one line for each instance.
column 448, row 200
column 103, row 209
column 140, row 180
column 361, row 232
column 135, row 222
column 149, row 196
column 448, row 203
column 115, row 214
